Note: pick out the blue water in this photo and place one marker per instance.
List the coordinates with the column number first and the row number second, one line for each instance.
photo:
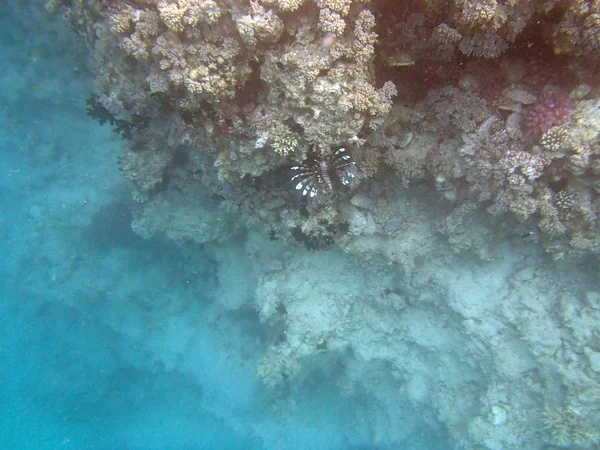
column 94, row 319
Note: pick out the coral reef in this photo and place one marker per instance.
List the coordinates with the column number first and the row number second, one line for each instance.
column 254, row 87
column 466, row 122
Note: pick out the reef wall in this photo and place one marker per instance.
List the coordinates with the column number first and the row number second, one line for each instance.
column 465, row 126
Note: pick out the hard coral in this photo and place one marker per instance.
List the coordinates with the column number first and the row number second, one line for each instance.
column 549, row 112
column 259, row 25
column 568, row 427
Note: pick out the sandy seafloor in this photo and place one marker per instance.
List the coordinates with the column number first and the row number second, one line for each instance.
column 108, row 341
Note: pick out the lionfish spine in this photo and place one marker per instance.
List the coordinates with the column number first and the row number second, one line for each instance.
column 324, row 172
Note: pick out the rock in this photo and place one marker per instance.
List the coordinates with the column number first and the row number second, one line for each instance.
column 393, row 225
column 398, row 302
column 405, row 140
column 275, row 203
column 512, row 107
column 593, row 299
column 580, row 92
column 450, row 195
column 272, row 265
column 499, row 415
column 526, row 274
column 362, row 201
column 513, row 125
column 370, row 226
column 357, row 221
column 514, row 69
column 593, row 358
column 521, row 96
column 589, row 396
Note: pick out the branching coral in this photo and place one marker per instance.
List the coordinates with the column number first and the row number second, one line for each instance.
column 340, row 6
column 260, row 26
column 579, row 31
column 483, row 29
column 567, row 427
column 366, row 99
column 554, row 139
column 363, row 44
column 464, row 109
column 289, row 5
column 322, row 93
column 483, row 44
column 177, row 14
column 479, row 14
column 331, row 22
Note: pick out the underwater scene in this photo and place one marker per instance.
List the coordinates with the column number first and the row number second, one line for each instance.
column 300, row 224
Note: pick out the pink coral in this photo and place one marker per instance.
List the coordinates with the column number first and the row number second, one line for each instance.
column 551, row 111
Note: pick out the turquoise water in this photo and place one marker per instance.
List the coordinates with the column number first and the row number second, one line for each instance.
column 111, row 341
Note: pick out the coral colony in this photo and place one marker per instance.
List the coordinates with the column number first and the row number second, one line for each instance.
column 489, row 110
column 546, row 113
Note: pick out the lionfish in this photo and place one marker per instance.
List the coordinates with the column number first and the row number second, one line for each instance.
column 318, row 173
